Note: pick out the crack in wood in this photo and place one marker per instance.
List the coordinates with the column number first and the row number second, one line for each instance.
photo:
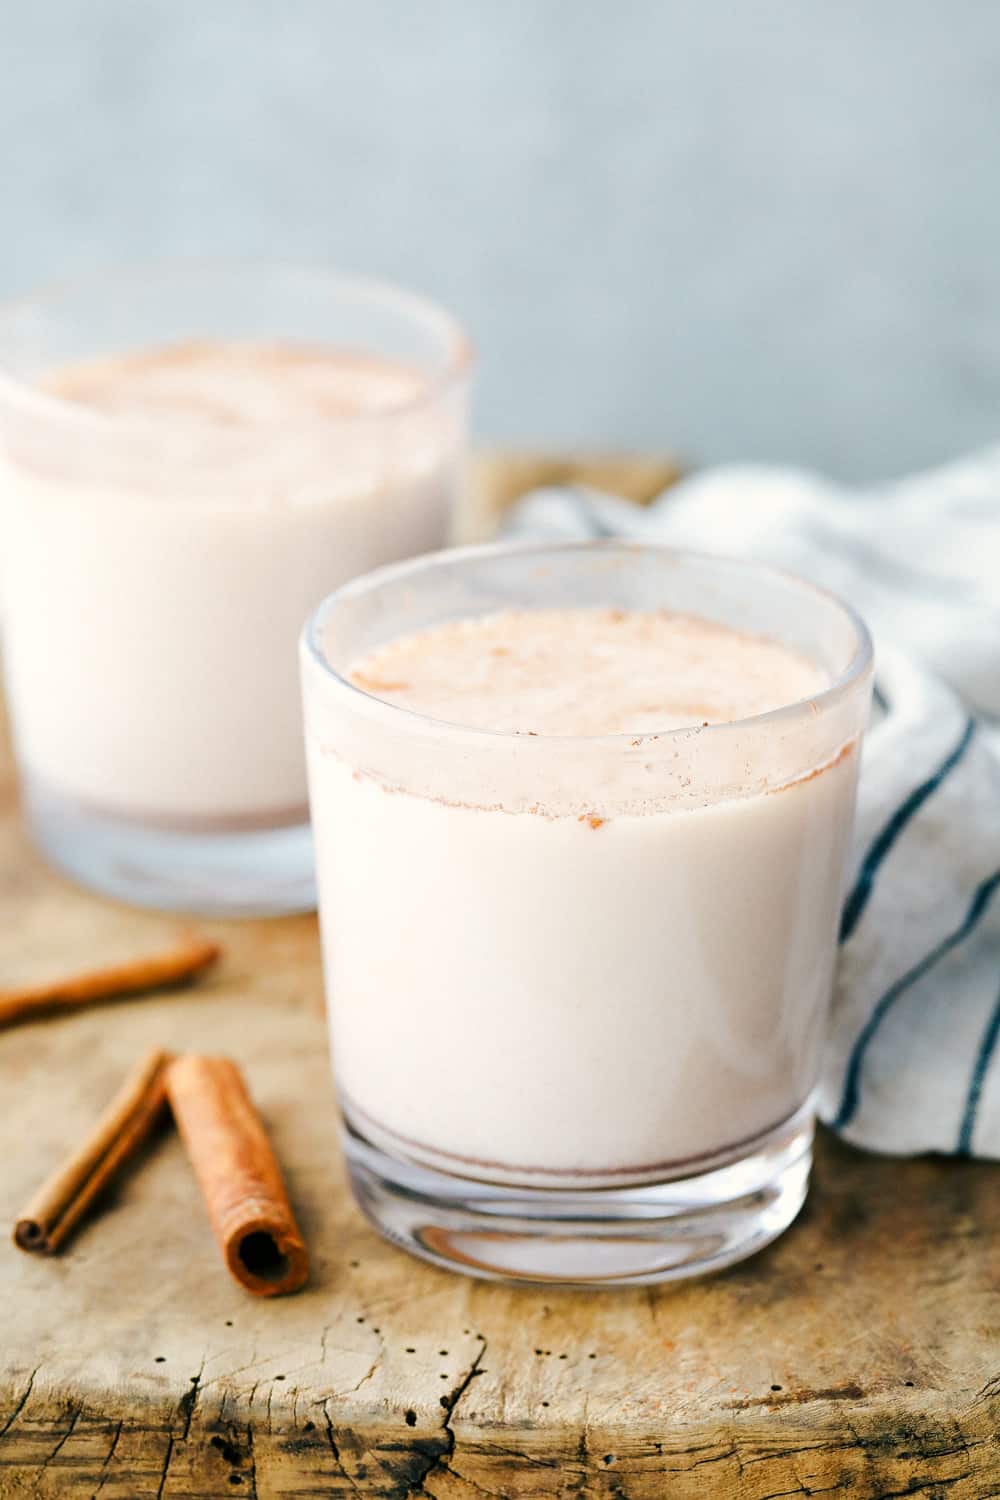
column 966, row 1446
column 21, row 1403
column 189, row 1400
column 166, row 1466
column 963, row 1447
column 442, row 1458
column 726, row 1456
column 480, row 1489
column 75, row 1417
column 801, row 1489
column 107, row 1459
column 584, row 1427
column 893, row 1459
column 252, row 1474
column 527, row 1459
column 234, row 1370
column 350, row 1390
column 924, row 1486
column 776, row 1455
column 335, row 1450
column 861, row 1446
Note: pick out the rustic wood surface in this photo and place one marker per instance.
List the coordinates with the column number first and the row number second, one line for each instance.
column 497, row 479
column 859, row 1356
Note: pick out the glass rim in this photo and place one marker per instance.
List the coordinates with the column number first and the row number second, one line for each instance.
column 460, row 354
column 859, row 665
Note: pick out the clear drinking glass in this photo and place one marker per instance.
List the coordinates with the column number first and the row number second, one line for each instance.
column 577, row 986
column 162, row 541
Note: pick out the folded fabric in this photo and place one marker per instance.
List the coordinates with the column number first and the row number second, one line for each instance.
column 913, row 1057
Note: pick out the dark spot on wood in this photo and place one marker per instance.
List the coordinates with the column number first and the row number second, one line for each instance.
column 309, row 1427
column 608, row 1458
column 359, row 1320
column 279, row 1377
column 443, row 1353
column 229, row 1322
column 446, row 1403
column 376, row 1330
column 545, row 1403
column 410, row 1349
column 850, row 1391
column 160, row 1359
column 564, row 1356
column 230, row 1453
column 908, row 1382
column 776, row 1387
column 848, row 1214
column 444, row 1377
column 410, row 1418
column 236, row 1479
column 185, row 1406
column 591, row 1356
column 355, row 1264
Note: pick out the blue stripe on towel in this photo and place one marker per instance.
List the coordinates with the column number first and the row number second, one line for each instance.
column 852, row 1076
column 863, row 886
column 587, row 511
column 984, row 1057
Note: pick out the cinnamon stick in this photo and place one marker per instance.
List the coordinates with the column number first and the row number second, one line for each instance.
column 152, row 971
column 61, row 1203
column 238, row 1174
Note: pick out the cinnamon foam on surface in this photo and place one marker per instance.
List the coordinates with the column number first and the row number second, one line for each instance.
column 235, row 384
column 586, row 672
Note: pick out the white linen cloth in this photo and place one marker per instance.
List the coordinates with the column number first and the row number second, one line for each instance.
column 913, row 1058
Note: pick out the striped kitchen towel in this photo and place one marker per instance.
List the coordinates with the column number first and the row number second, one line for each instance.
column 913, row 1059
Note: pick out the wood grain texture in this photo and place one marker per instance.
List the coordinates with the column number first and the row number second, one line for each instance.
column 495, row 480
column 859, row 1356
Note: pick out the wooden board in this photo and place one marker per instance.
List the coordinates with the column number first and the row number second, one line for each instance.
column 859, row 1356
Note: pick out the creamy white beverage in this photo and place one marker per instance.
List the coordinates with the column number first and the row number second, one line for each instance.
column 536, row 973
column 152, row 605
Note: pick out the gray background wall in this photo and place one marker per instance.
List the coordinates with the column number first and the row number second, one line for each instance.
column 739, row 229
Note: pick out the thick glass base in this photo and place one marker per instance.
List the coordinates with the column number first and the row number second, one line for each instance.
column 597, row 1237
column 223, row 873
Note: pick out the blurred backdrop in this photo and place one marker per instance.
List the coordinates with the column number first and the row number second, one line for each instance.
column 736, row 230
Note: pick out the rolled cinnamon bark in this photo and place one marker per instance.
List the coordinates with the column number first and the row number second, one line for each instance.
column 151, row 971
column 62, row 1201
column 238, row 1174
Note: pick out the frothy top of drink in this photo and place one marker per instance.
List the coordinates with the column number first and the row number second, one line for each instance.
column 587, row 672
column 249, row 426
column 234, row 385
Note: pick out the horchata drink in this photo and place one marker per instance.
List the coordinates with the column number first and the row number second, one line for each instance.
column 192, row 459
column 581, row 818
